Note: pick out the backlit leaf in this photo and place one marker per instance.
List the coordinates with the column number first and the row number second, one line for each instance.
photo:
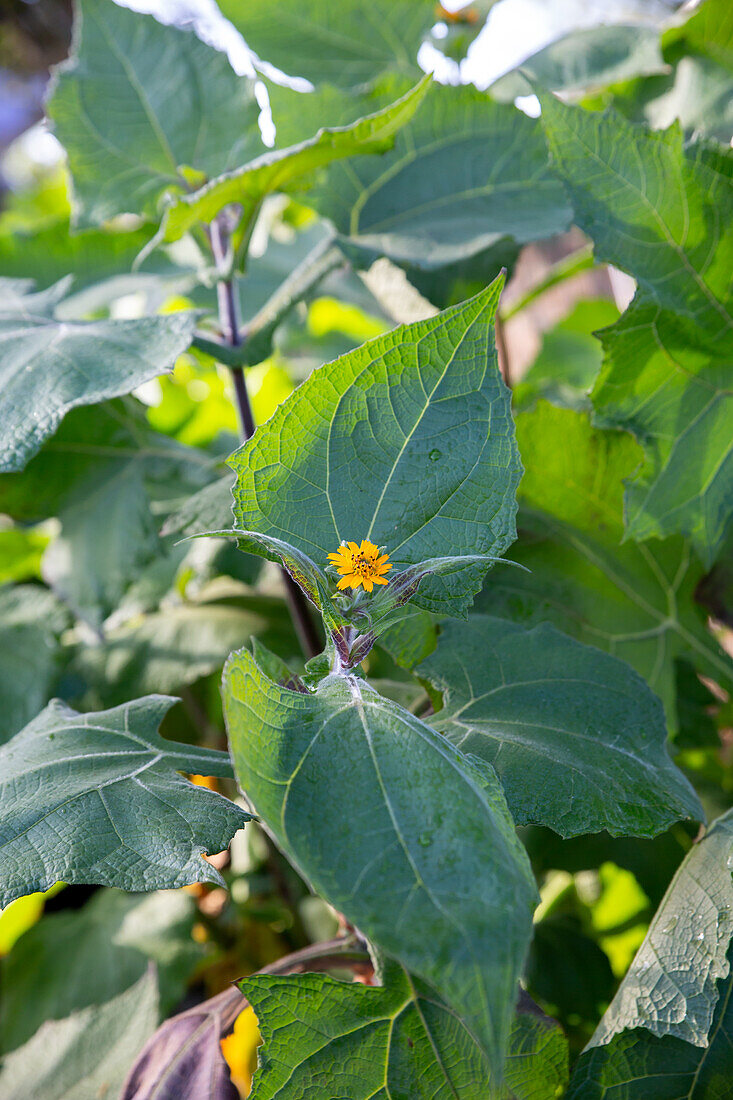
column 664, row 213
column 407, row 441
column 137, row 102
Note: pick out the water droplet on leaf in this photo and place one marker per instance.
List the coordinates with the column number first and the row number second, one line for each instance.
column 435, row 454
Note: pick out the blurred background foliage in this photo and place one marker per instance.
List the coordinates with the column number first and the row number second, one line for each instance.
column 167, row 614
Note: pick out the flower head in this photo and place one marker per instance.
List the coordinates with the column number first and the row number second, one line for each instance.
column 360, row 565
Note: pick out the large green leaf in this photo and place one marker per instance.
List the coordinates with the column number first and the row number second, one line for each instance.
column 86, row 1055
column 634, row 600
column 31, row 620
column 397, row 1039
column 136, row 103
column 412, row 842
column 575, row 736
column 584, row 59
column 407, row 440
column 96, row 798
column 49, row 367
column 671, row 988
column 367, row 38
column 100, row 475
column 664, row 213
column 286, row 169
column 77, row 958
column 638, row 1066
column 464, row 175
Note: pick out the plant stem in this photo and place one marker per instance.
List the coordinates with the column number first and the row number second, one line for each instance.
column 229, row 321
column 502, row 352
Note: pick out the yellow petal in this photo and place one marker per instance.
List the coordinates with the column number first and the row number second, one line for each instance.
column 382, row 560
column 353, row 548
column 369, row 548
column 368, row 584
column 380, row 580
column 345, row 583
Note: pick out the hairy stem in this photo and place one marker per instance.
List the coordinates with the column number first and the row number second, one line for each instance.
column 229, row 322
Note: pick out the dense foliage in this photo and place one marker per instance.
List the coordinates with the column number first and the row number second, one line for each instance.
column 394, row 690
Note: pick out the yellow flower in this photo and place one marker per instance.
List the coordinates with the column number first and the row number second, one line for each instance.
column 360, row 565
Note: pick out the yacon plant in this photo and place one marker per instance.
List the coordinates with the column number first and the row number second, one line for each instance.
column 459, row 698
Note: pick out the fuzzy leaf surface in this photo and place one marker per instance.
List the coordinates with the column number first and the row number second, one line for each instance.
column 407, row 441
column 138, row 101
column 427, row 863
column 96, row 798
column 575, row 736
column 670, row 988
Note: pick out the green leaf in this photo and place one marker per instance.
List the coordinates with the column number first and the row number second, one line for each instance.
column 174, row 646
column 286, row 169
column 405, row 441
column 369, row 36
column 427, row 863
column 100, row 474
column 575, row 736
column 86, row 1055
column 31, row 620
column 396, row 1039
column 464, row 175
column 637, row 1066
column 670, row 988
column 77, row 958
column 585, row 59
column 49, row 367
column 664, row 213
column 96, row 798
column 136, row 103
column 636, row 601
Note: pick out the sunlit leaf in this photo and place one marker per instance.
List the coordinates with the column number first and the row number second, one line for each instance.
column 136, row 103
